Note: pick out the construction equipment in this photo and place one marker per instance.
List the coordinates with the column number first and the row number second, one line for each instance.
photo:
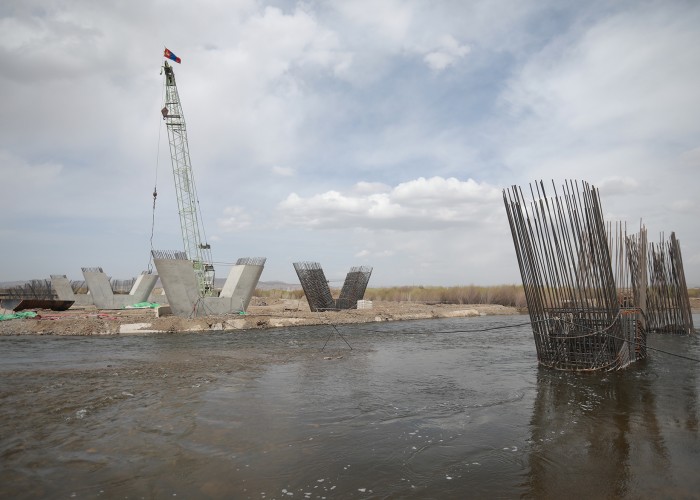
column 193, row 235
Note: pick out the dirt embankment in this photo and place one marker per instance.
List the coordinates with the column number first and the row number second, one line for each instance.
column 267, row 313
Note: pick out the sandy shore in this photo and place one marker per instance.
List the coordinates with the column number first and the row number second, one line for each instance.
column 261, row 313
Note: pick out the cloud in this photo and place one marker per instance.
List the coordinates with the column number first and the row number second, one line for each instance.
column 449, row 51
column 363, row 187
column 391, row 122
column 234, row 219
column 420, row 204
column 606, row 86
column 283, row 171
column 617, row 185
column 685, row 206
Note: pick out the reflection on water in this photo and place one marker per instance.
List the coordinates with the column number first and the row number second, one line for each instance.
column 426, row 409
column 591, row 433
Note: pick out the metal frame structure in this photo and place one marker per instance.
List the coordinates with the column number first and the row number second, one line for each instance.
column 169, row 255
column 251, row 261
column 565, row 263
column 191, row 226
column 669, row 304
column 318, row 292
column 33, row 289
column 354, row 287
column 315, row 285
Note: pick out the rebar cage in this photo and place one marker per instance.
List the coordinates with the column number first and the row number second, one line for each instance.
column 669, row 303
column 354, row 287
column 313, row 281
column 318, row 292
column 564, row 256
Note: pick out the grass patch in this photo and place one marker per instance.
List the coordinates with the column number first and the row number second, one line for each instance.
column 506, row 295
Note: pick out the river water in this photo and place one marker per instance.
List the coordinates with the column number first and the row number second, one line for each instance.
column 422, row 409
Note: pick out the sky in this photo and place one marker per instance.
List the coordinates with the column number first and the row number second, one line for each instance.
column 344, row 132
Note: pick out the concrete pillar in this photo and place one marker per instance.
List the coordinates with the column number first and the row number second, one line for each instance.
column 142, row 288
column 99, row 286
column 103, row 296
column 247, row 283
column 64, row 291
column 180, row 286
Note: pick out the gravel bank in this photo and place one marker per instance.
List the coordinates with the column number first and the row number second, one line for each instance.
column 261, row 314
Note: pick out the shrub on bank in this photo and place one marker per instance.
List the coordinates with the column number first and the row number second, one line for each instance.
column 506, row 295
column 279, row 294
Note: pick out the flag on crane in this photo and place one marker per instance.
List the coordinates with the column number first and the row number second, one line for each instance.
column 169, row 55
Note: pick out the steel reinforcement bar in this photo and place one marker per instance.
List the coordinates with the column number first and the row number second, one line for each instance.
column 315, row 286
column 354, row 287
column 564, row 259
column 668, row 302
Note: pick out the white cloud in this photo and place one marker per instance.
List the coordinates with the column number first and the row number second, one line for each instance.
column 612, row 84
column 420, row 204
column 234, row 219
column 685, row 206
column 372, row 112
column 691, row 158
column 363, row 187
column 17, row 172
column 283, row 171
column 617, row 185
column 389, row 21
column 449, row 51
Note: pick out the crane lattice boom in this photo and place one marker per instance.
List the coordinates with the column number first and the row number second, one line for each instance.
column 196, row 248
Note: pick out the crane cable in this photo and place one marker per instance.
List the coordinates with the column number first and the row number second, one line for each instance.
column 155, row 191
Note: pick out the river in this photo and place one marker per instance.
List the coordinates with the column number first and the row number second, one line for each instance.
column 423, row 409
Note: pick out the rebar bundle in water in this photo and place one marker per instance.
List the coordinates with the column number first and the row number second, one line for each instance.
column 668, row 302
column 565, row 263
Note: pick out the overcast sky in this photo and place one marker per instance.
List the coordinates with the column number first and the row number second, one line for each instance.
column 368, row 132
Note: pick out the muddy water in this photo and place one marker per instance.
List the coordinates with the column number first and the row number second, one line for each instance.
column 427, row 409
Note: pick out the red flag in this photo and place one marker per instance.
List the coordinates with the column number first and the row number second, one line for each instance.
column 169, row 55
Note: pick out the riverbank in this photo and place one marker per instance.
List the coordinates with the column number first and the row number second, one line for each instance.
column 262, row 313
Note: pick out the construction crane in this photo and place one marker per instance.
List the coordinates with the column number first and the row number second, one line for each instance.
column 193, row 235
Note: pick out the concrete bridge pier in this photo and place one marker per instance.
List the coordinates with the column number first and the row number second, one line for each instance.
column 180, row 285
column 104, row 297
column 64, row 291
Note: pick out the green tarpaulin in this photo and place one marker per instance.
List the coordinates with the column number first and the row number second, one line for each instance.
column 143, row 305
column 19, row 315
